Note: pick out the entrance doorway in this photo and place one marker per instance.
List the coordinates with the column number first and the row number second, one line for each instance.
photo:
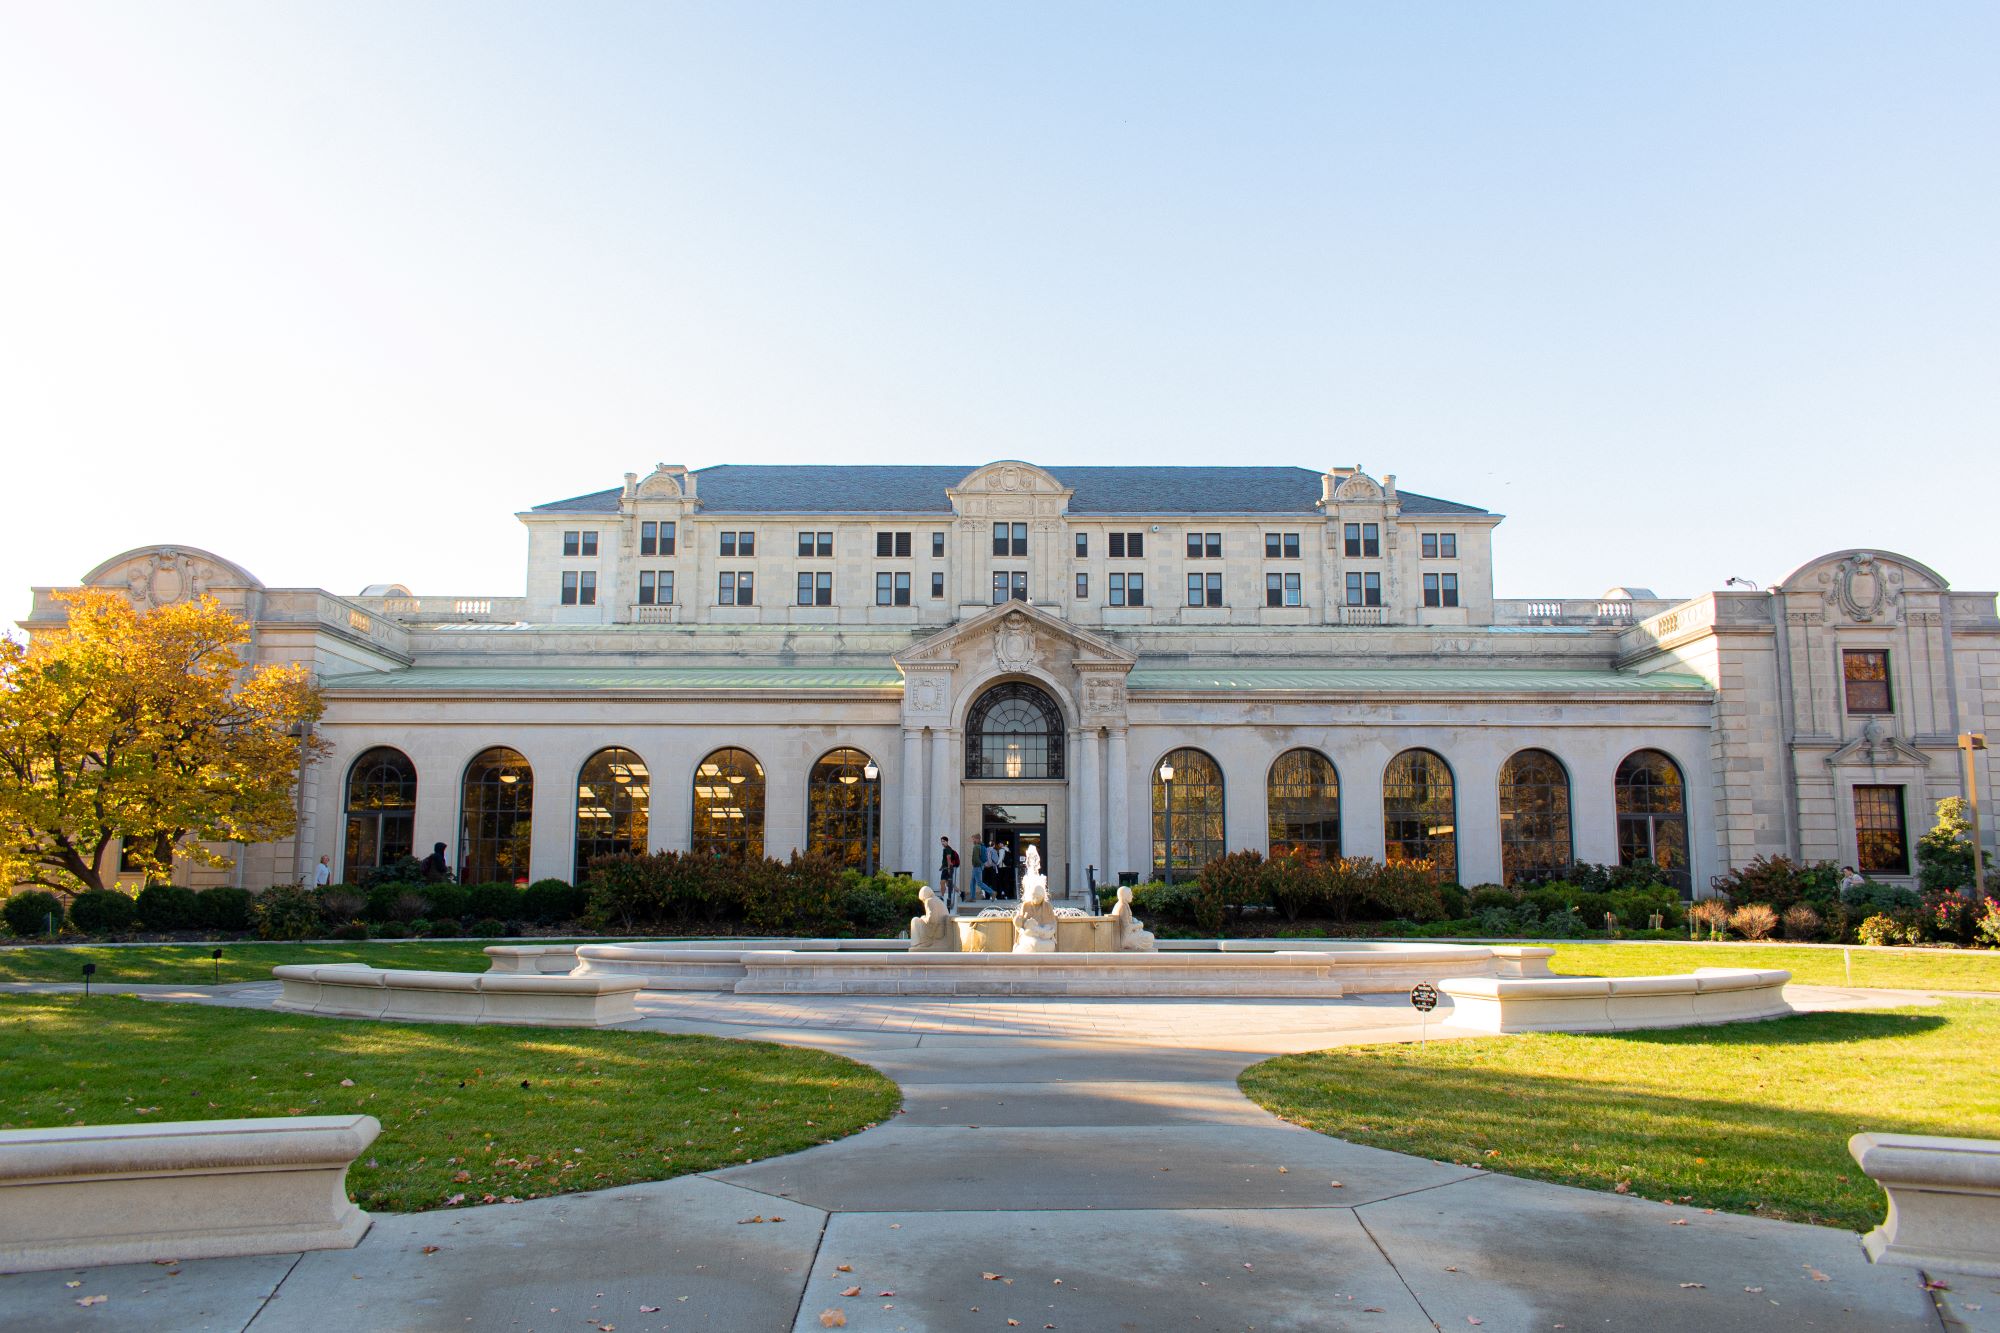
column 1019, row 827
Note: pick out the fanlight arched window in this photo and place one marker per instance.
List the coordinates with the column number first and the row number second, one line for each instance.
column 498, row 824
column 1189, row 784
column 381, row 809
column 1420, row 811
column 1534, row 815
column 1014, row 731
column 614, row 796
column 1652, row 815
column 1304, row 799
column 844, row 809
column 729, row 804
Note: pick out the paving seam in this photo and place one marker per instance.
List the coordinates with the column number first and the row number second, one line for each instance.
column 806, row 1274
column 272, row 1294
column 1389, row 1260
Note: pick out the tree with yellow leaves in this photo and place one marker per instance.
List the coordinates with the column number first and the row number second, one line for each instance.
column 147, row 731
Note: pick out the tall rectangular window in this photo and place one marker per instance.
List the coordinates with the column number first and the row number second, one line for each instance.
column 815, row 589
column 1430, row 545
column 1867, row 675
column 1135, row 544
column 728, row 540
column 1082, row 587
column 1083, row 546
column 1117, row 590
column 1283, row 590
column 1350, row 537
column 569, row 587
column 666, row 587
column 1204, row 589
column 1448, row 545
column 1116, row 545
column 937, row 546
column 587, row 588
column 1371, row 539
column 890, row 544
column 648, row 538
column 1881, row 841
column 1364, row 590
column 571, row 542
column 590, row 543
column 646, row 587
column 805, row 543
column 892, row 589
column 735, row 588
column 1431, row 594
column 1281, row 546
column 1448, row 589
column 937, row 585
column 1010, row 583
column 666, row 539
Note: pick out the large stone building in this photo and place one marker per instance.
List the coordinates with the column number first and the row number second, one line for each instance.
column 864, row 659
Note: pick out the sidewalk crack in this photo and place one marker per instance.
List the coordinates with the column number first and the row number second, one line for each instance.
column 272, row 1294
column 1394, row 1269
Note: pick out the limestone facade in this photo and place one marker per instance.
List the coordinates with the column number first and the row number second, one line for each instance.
column 1774, row 746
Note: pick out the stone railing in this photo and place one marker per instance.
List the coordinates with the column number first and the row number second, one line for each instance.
column 654, row 613
column 90, row 1195
column 302, row 606
column 432, row 610
column 1574, row 610
column 353, row 990
column 1362, row 615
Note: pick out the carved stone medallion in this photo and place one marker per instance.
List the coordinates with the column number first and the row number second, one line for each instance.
column 1014, row 644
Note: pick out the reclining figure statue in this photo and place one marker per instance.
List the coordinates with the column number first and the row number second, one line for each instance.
column 934, row 931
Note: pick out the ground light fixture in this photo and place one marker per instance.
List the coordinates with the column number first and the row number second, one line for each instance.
column 216, row 958
column 89, row 971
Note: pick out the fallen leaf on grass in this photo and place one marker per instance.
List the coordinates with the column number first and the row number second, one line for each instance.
column 1622, row 1187
column 832, row 1319
column 1470, row 1320
column 72, row 1284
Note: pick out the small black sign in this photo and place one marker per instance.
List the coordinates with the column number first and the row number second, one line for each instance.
column 1424, row 997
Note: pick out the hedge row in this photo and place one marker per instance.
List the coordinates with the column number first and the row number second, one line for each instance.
column 805, row 895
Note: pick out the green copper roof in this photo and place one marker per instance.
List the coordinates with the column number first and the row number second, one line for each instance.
column 1418, row 680
column 479, row 680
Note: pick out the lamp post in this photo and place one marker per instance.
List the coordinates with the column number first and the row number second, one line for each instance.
column 1969, row 741
column 1167, row 781
column 870, row 773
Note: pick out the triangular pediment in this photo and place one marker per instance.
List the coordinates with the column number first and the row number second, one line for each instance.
column 1007, row 620
column 1876, row 749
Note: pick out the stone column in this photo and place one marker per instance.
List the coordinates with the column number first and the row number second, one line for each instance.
column 1073, row 835
column 944, row 792
column 1090, row 823
column 1117, row 782
column 910, row 822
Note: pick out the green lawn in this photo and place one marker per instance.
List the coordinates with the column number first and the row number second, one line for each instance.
column 469, row 1114
column 1744, row 1118
column 1927, row 969
column 248, row 960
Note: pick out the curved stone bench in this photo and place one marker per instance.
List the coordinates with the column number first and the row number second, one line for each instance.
column 1944, row 1201
column 657, row 968
column 354, row 990
column 90, row 1195
column 532, row 959
column 789, row 972
column 1615, row 1004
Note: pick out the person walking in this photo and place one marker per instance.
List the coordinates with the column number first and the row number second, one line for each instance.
column 989, row 868
column 322, row 874
column 947, row 870
column 1010, row 870
column 434, row 864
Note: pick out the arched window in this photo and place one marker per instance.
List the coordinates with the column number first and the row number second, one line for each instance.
column 381, row 809
column 1534, row 815
column 1014, row 731
column 729, row 804
column 614, row 795
column 1652, row 815
column 1304, row 798
column 499, row 818
column 1190, row 784
column 844, row 810
column 1419, row 812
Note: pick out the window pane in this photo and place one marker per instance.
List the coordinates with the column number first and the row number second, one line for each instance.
column 666, row 539
column 999, row 586
column 1193, row 834
column 884, row 543
column 1117, row 589
column 728, row 540
column 805, row 589
column 902, row 543
column 381, row 809
column 1430, row 545
column 666, row 586
column 882, row 590
column 1881, row 843
column 496, row 828
column 1273, row 544
column 1651, row 799
column 1135, row 589
column 1274, row 590
column 744, row 588
column 645, row 588
column 1014, row 731
column 1291, row 546
column 729, row 804
column 1194, row 545
column 1303, row 798
column 826, row 543
column 844, row 810
column 937, row 585
column 569, row 587
column 569, row 543
column 1117, row 541
column 805, row 543
column 1867, row 673
column 1351, row 538
column 1419, row 811
column 1449, row 544
column 648, row 538
column 1214, row 545
column 1082, row 545
column 1135, row 544
column 1534, row 815
column 999, row 539
column 1450, row 584
column 590, row 543
column 1354, row 590
column 1020, row 539
column 613, row 798
column 589, row 587
column 1195, row 597
column 937, row 544
column 1082, row 586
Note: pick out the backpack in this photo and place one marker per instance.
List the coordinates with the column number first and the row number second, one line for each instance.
column 951, row 859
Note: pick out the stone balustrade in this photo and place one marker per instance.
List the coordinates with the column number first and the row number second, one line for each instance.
column 353, row 990
column 790, row 972
column 1944, row 1201
column 531, row 959
column 89, row 1195
column 1614, row 1004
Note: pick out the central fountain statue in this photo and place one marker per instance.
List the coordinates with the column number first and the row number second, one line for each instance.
column 1035, row 918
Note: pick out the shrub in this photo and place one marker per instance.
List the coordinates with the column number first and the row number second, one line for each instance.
column 1172, row 904
column 1946, row 918
column 1407, row 889
column 1754, row 921
column 103, row 912
column 867, row 909
column 403, row 870
column 1880, row 928
column 501, row 900
column 338, row 903
column 444, row 929
column 491, row 928
column 420, row 927
column 1637, row 906
column 1487, row 897
column 411, row 905
column 30, row 911
column 1228, row 884
column 448, row 901
column 1780, row 882
column 1454, row 898
column 394, row 900
column 225, row 909
column 1987, row 927
column 351, row 930
column 1944, row 854
column 167, row 907
column 1346, row 884
column 1710, row 915
column 1294, row 885
column 392, row 930
column 287, row 912
column 800, row 896
column 1802, row 922
column 551, row 902
column 1869, row 898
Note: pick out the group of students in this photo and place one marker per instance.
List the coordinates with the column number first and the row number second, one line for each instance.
column 995, row 871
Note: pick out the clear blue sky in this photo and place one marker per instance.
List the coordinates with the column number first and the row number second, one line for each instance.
column 1685, row 290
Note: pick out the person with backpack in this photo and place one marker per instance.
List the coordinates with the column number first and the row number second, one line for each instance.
column 947, row 871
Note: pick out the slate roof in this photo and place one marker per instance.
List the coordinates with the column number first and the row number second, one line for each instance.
column 481, row 680
column 870, row 488
column 1411, row 680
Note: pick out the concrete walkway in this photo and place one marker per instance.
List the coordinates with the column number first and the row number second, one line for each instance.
column 1073, row 1165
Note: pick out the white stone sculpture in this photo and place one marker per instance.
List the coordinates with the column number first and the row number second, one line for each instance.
column 933, row 932
column 1035, row 918
column 1131, row 933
